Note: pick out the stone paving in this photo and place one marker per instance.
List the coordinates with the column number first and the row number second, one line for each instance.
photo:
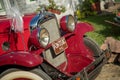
column 110, row 71
column 113, row 8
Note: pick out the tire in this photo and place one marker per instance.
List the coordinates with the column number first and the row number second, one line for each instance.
column 92, row 46
column 17, row 74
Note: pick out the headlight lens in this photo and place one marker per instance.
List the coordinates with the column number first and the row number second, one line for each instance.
column 39, row 38
column 71, row 23
column 68, row 23
column 44, row 37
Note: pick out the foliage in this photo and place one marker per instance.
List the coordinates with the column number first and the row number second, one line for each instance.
column 52, row 5
column 93, row 1
column 85, row 10
column 102, row 29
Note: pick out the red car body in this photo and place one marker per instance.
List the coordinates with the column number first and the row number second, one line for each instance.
column 17, row 53
column 16, row 45
column 77, row 54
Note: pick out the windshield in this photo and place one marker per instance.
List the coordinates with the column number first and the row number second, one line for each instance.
column 11, row 9
column 6, row 5
column 2, row 8
column 31, row 6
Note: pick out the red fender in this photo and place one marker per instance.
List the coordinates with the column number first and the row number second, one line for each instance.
column 83, row 27
column 77, row 52
column 21, row 58
column 76, row 40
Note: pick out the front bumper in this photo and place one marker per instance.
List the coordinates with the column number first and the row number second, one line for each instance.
column 86, row 74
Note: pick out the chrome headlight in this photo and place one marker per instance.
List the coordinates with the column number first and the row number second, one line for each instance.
column 43, row 37
column 68, row 23
column 39, row 37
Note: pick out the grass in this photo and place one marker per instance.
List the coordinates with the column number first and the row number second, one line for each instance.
column 102, row 29
column 117, row 0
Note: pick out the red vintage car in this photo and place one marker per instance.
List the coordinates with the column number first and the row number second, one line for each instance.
column 38, row 47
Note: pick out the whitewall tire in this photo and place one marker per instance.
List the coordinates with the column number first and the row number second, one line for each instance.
column 16, row 74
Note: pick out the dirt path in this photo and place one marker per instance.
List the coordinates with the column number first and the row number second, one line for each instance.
column 109, row 72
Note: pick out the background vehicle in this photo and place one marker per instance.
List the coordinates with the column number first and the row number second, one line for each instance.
column 41, row 49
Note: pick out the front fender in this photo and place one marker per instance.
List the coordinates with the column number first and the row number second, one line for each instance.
column 21, row 58
column 75, row 40
column 83, row 27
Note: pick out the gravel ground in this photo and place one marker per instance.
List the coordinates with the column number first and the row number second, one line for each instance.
column 109, row 72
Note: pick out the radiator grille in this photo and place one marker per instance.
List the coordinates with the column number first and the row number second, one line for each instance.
column 52, row 27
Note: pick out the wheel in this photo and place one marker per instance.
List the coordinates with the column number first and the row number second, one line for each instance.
column 94, row 48
column 17, row 74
